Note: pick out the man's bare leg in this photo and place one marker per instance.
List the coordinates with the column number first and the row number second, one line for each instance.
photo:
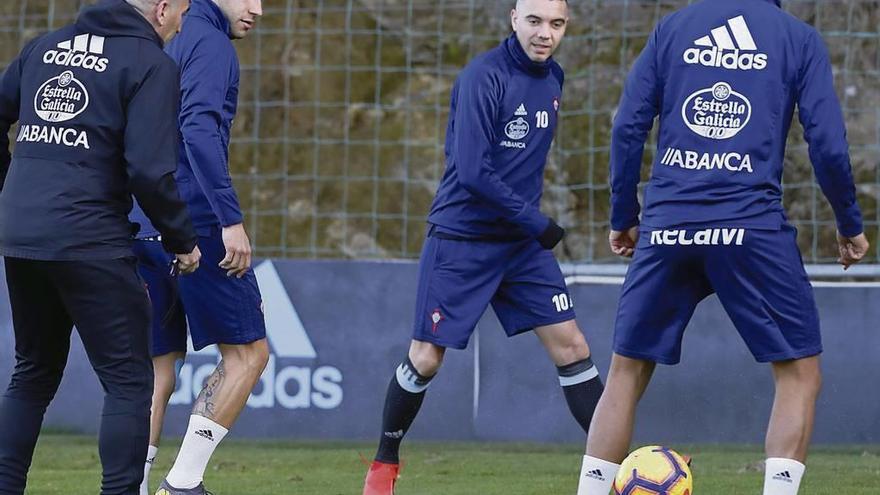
column 165, row 377
column 612, row 426
column 222, row 399
column 791, row 424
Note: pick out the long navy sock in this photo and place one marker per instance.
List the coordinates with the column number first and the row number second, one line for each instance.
column 20, row 422
column 582, row 387
column 402, row 403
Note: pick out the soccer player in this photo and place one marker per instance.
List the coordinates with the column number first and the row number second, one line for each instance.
column 724, row 78
column 222, row 301
column 487, row 240
column 97, row 111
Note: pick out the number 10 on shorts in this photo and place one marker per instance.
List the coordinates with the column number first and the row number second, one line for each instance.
column 562, row 302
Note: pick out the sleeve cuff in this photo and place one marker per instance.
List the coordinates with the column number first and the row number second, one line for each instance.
column 226, row 207
column 623, row 225
column 180, row 246
column 851, row 227
column 532, row 220
column 624, row 214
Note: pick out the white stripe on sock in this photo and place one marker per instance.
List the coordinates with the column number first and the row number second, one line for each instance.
column 584, row 376
column 406, row 380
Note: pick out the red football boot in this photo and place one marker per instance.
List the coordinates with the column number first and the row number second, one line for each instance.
column 381, row 478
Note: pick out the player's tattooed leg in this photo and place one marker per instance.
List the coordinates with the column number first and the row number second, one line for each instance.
column 206, row 404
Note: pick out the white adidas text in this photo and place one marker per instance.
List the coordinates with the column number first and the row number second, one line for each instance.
column 82, row 51
column 291, row 387
column 714, row 57
column 728, row 46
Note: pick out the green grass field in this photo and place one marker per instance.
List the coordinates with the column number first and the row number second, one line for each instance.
column 69, row 465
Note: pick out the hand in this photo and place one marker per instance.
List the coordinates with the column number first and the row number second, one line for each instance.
column 188, row 263
column 238, row 251
column 851, row 249
column 624, row 243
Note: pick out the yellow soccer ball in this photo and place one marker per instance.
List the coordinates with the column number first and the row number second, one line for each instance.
column 654, row 470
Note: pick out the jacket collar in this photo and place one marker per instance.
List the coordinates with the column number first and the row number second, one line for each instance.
column 210, row 12
column 515, row 50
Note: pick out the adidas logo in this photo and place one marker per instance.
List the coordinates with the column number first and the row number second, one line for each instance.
column 521, row 111
column 394, row 434
column 303, row 384
column 724, row 47
column 82, row 51
column 595, row 474
column 783, row 476
column 207, row 434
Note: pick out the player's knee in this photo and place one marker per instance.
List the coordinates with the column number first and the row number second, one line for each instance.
column 634, row 373
column 166, row 368
column 571, row 349
column 248, row 358
column 803, row 375
column 427, row 364
column 811, row 381
column 260, row 356
column 427, row 358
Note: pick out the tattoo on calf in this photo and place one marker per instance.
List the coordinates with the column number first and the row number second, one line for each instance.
column 206, row 403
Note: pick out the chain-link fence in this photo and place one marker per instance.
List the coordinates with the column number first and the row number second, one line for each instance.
column 338, row 144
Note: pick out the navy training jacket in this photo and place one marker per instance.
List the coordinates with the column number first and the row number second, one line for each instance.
column 724, row 78
column 209, row 77
column 502, row 120
column 96, row 103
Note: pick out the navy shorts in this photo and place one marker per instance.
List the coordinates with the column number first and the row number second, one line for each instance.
column 219, row 309
column 168, row 318
column 758, row 275
column 459, row 279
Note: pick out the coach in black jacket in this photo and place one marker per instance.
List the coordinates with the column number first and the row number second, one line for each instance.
column 96, row 103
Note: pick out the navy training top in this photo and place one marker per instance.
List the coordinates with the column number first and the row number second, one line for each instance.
column 209, row 79
column 502, row 119
column 724, row 78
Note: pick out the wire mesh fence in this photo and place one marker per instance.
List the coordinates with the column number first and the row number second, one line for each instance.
column 338, row 143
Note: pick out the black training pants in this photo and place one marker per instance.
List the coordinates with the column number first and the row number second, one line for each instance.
column 108, row 304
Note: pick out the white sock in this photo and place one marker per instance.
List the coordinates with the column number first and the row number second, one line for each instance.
column 782, row 476
column 202, row 437
column 151, row 456
column 597, row 476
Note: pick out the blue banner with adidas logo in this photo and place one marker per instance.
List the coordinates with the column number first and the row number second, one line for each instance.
column 338, row 329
